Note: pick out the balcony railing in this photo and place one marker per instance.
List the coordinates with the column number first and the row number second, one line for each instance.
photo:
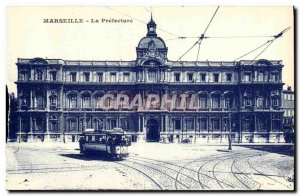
column 145, row 82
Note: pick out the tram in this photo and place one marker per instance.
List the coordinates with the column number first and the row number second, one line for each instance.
column 113, row 143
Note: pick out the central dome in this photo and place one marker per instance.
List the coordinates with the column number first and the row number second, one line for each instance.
column 151, row 46
column 145, row 42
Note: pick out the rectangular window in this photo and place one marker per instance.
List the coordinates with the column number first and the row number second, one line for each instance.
column 203, row 124
column 100, row 77
column 248, row 101
column 73, row 77
column 190, row 77
column 113, row 77
column 73, row 125
column 38, row 124
column 126, row 77
column 177, row 124
column 247, row 125
column 216, row 77
column 53, row 125
column 53, row 75
column 177, row 77
column 276, row 124
column 274, row 77
column 39, row 102
column 113, row 124
column 261, row 123
column 86, row 77
column 216, row 124
column 23, row 75
column 203, row 77
column 275, row 101
column 228, row 77
column 53, row 101
column 190, row 124
column 260, row 102
column 247, row 77
column 260, row 76
column 152, row 76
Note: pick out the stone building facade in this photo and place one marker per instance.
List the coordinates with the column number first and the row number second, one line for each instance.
column 58, row 98
column 288, row 104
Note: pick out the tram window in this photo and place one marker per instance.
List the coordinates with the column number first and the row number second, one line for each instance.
column 97, row 138
column 177, row 136
column 89, row 138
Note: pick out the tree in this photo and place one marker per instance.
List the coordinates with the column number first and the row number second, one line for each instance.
column 12, row 117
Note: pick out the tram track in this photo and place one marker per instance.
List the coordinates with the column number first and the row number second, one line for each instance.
column 188, row 169
column 263, row 174
column 163, row 166
column 233, row 166
column 159, row 171
column 149, row 177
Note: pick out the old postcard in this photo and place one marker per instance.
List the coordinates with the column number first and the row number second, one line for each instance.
column 150, row 98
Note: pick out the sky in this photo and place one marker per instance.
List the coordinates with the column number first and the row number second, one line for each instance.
column 29, row 37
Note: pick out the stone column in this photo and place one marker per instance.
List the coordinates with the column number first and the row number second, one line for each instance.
column 62, row 99
column 20, row 130
column 47, row 104
column 166, row 122
column 139, row 124
column 47, row 128
column 30, row 135
column 30, row 99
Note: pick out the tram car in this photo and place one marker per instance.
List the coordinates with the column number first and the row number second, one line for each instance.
column 113, row 143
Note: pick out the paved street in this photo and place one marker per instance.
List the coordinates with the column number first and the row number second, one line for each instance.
column 150, row 166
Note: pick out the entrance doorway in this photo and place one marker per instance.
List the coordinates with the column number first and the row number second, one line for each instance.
column 152, row 131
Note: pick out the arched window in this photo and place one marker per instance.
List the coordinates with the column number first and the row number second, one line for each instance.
column 53, row 101
column 228, row 98
column 215, row 100
column 86, row 100
column 72, row 100
column 97, row 98
column 39, row 100
column 203, row 100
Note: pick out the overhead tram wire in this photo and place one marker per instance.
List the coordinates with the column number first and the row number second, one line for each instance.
column 172, row 34
column 199, row 41
column 268, row 43
column 221, row 37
